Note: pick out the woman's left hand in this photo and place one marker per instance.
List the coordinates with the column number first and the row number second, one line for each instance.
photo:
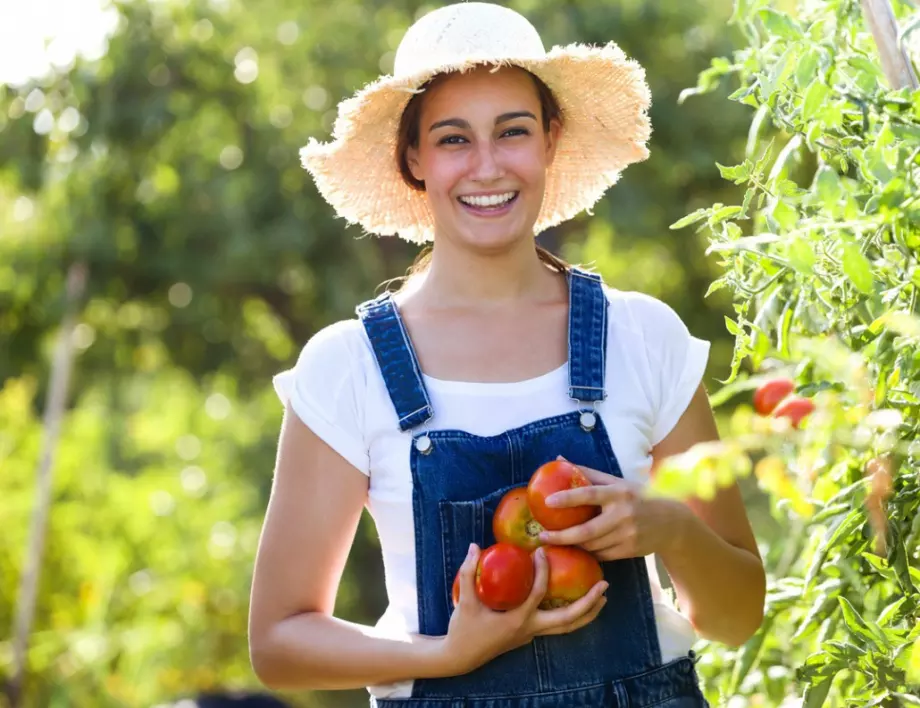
column 629, row 524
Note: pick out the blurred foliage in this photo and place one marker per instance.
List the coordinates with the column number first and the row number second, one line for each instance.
column 170, row 168
column 821, row 258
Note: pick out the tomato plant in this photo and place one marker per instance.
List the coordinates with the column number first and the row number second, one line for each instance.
column 550, row 478
column 821, row 260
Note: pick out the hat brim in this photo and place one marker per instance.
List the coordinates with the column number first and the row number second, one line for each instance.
column 604, row 100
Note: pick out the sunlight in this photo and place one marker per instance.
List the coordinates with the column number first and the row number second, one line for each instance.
column 42, row 35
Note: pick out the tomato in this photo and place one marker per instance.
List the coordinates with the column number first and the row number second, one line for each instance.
column 769, row 395
column 504, row 577
column 552, row 477
column 572, row 572
column 795, row 408
column 513, row 523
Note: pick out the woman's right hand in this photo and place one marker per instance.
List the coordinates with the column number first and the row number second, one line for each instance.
column 477, row 634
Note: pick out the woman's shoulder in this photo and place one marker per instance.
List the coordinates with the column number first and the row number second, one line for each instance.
column 640, row 311
column 336, row 345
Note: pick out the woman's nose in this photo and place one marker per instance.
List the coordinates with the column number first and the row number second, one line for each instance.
column 487, row 166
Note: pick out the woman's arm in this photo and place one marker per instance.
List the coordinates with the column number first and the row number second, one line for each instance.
column 707, row 547
column 294, row 641
column 714, row 562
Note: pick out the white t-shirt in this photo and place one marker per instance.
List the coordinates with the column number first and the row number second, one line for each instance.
column 654, row 366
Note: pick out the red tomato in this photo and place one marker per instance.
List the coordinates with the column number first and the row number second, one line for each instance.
column 572, row 572
column 795, row 408
column 513, row 523
column 552, row 477
column 504, row 577
column 770, row 394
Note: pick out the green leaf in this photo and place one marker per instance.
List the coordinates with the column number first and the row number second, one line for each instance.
column 801, row 256
column 828, row 186
column 841, row 528
column 780, row 24
column 913, row 664
column 691, row 218
column 732, row 326
column 857, row 268
column 860, row 627
column 816, row 693
column 724, row 213
column 805, row 71
column 890, row 613
column 737, row 173
column 814, row 99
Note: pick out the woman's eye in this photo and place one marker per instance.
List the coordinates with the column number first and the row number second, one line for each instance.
column 511, row 132
column 452, row 140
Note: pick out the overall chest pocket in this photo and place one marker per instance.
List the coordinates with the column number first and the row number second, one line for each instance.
column 463, row 523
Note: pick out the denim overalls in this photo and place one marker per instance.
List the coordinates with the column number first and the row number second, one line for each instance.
column 458, row 479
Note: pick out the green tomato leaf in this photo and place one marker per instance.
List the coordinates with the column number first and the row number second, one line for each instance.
column 857, row 268
column 691, row 218
column 780, row 24
column 816, row 693
column 801, row 256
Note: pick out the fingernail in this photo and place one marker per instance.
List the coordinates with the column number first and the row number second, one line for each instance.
column 541, row 553
column 469, row 552
column 551, row 500
column 544, row 536
column 562, row 458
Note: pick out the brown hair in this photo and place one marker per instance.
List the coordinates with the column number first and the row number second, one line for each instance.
column 408, row 136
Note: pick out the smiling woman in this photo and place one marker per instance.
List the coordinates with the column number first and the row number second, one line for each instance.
column 518, row 142
column 494, row 359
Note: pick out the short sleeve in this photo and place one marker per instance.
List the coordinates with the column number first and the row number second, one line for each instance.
column 677, row 362
column 324, row 390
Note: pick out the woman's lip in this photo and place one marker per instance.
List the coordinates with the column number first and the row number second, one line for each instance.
column 488, row 212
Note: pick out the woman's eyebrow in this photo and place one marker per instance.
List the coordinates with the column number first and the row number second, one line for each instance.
column 464, row 125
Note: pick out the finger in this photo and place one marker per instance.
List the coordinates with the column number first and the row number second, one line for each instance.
column 593, row 495
column 598, row 477
column 468, row 574
column 540, row 581
column 578, row 535
column 603, row 543
column 617, row 552
column 548, row 619
column 581, row 621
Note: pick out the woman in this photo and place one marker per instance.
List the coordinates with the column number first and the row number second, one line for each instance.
column 494, row 358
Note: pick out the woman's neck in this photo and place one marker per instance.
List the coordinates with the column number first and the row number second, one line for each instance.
column 468, row 280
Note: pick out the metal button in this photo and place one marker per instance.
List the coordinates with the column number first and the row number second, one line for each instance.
column 587, row 420
column 423, row 444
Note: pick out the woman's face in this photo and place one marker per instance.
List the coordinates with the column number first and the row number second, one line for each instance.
column 483, row 155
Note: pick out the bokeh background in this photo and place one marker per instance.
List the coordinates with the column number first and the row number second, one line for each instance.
column 155, row 143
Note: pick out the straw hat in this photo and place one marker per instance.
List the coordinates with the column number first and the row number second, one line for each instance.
column 602, row 94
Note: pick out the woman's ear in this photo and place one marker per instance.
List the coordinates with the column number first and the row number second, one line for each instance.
column 552, row 140
column 413, row 164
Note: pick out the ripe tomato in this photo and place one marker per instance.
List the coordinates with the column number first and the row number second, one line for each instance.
column 769, row 395
column 572, row 572
column 504, row 577
column 795, row 408
column 513, row 523
column 552, row 477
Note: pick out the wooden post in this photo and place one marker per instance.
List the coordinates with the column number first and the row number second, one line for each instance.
column 895, row 61
column 54, row 413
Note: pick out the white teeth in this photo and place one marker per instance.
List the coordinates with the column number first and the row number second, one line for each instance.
column 492, row 200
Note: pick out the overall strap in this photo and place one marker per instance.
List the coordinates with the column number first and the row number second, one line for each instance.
column 587, row 336
column 396, row 360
